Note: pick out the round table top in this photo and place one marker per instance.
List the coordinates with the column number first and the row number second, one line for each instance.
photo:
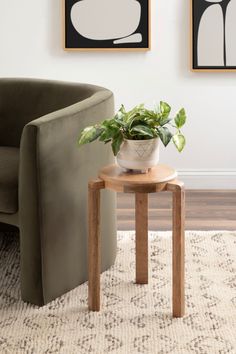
column 158, row 174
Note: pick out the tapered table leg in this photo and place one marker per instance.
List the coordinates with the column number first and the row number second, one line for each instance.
column 141, row 226
column 94, row 253
column 178, row 249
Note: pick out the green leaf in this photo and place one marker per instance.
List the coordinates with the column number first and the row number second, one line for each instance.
column 109, row 132
column 116, row 143
column 110, row 124
column 107, row 122
column 104, row 135
column 164, row 121
column 165, row 135
column 89, row 134
column 120, row 122
column 179, row 141
column 180, row 118
column 134, row 113
column 136, row 120
column 151, row 118
column 120, row 114
column 165, row 109
column 142, row 130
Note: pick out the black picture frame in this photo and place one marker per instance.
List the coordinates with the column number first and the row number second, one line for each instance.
column 73, row 39
column 198, row 10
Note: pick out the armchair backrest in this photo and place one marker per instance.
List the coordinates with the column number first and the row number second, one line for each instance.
column 23, row 100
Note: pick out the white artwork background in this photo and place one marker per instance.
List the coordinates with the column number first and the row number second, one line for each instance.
column 107, row 20
column 212, row 33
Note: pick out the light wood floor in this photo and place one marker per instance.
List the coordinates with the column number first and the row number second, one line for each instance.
column 205, row 210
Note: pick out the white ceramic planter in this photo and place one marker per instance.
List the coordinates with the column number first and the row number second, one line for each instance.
column 139, row 154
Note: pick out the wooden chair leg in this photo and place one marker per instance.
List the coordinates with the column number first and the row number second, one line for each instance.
column 141, row 226
column 178, row 249
column 94, row 256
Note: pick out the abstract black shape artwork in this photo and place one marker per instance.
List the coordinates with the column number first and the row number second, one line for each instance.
column 106, row 24
column 214, row 34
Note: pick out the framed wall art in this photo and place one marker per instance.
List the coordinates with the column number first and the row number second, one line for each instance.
column 213, row 35
column 106, row 24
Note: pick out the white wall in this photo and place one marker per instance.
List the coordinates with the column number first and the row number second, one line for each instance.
column 31, row 46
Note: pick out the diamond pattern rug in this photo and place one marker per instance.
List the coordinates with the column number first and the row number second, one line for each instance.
column 134, row 318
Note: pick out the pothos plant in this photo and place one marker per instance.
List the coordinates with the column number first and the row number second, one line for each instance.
column 139, row 123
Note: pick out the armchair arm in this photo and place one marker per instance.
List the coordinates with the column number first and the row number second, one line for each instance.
column 53, row 195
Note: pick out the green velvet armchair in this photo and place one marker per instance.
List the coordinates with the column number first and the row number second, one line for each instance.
column 43, row 180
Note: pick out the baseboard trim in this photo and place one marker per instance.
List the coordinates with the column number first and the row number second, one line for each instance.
column 208, row 179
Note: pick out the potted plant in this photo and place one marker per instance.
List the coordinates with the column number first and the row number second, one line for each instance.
column 135, row 134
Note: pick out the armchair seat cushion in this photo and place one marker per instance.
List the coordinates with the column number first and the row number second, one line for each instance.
column 9, row 164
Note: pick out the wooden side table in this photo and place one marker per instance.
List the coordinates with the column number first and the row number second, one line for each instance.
column 158, row 179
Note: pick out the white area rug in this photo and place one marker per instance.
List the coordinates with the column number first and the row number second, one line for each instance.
column 134, row 318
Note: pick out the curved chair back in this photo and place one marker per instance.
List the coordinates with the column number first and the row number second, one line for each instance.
column 23, row 100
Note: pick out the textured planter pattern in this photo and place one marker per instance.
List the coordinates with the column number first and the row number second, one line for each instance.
column 139, row 154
